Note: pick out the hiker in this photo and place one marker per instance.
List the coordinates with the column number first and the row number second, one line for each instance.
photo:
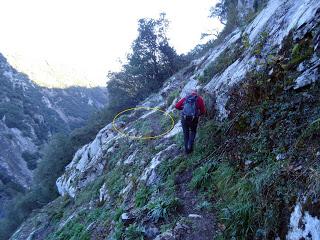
column 192, row 107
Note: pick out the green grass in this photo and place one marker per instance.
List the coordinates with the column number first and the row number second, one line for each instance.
column 142, row 196
column 91, row 191
column 203, row 178
column 162, row 208
column 115, row 181
column 134, row 232
column 312, row 130
column 172, row 167
column 236, row 201
column 117, row 213
column 73, row 230
column 76, row 228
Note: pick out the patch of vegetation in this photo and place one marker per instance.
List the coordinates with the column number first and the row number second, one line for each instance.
column 301, row 51
column 76, row 228
column 134, row 232
column 162, row 208
column 142, row 196
column 172, row 167
column 242, row 123
column 263, row 37
column 204, row 205
column 312, row 131
column 91, row 191
column 73, row 230
column 178, row 138
column 119, row 229
column 154, row 124
column 173, row 95
column 115, row 181
column 143, row 126
column 8, row 186
column 203, row 178
column 245, row 40
column 222, row 62
column 167, row 226
column 255, row 191
column 57, row 216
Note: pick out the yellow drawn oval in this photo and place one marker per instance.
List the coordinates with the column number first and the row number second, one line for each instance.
column 138, row 108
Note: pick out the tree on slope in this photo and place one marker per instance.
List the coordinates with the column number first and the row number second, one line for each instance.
column 151, row 61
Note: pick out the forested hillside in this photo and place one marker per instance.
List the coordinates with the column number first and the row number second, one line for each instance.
column 30, row 115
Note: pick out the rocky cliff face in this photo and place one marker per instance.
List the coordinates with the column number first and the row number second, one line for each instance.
column 120, row 187
column 29, row 115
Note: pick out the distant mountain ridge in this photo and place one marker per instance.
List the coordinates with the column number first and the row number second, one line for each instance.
column 29, row 115
column 47, row 73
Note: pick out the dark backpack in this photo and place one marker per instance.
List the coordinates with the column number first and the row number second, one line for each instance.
column 190, row 108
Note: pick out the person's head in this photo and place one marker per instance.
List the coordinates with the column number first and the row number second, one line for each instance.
column 192, row 91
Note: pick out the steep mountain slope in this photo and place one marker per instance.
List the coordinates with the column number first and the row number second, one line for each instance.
column 29, row 116
column 254, row 174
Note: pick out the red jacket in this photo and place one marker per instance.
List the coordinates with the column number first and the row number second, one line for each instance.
column 200, row 104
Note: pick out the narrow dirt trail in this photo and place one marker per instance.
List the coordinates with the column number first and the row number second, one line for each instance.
column 203, row 224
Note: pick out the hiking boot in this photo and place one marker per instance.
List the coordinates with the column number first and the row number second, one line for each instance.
column 190, row 149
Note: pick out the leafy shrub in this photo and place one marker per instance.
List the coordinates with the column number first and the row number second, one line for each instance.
column 263, row 37
column 143, row 126
column 300, row 52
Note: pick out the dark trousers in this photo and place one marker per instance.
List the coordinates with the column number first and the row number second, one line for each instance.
column 189, row 126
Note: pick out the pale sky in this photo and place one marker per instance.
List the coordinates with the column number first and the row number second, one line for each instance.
column 88, row 37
